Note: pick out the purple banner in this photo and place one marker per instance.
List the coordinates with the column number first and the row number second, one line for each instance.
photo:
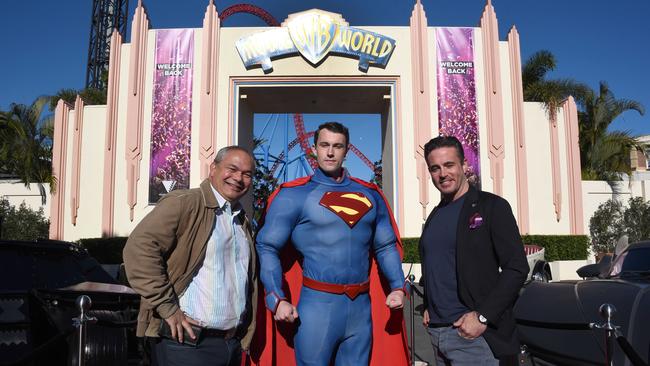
column 457, row 113
column 171, row 120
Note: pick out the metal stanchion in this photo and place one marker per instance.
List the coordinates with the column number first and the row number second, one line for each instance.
column 83, row 303
column 411, row 281
column 607, row 312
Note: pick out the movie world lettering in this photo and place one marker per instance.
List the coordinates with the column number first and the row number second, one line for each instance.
column 173, row 69
column 456, row 67
column 315, row 34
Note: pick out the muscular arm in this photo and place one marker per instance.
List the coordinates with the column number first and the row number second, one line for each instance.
column 385, row 246
column 511, row 258
column 145, row 252
column 278, row 226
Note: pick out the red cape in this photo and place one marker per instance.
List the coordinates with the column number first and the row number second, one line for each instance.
column 273, row 342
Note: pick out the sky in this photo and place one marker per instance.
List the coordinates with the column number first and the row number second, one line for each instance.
column 45, row 43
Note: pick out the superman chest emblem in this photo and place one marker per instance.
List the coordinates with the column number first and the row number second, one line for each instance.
column 349, row 206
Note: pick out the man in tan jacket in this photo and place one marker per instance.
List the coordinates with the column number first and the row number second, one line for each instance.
column 193, row 262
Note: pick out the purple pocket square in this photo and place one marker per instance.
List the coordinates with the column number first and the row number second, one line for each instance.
column 475, row 221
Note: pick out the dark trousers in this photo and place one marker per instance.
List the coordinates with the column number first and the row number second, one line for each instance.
column 211, row 351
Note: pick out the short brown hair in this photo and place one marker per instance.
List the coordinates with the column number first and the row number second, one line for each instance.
column 333, row 127
column 444, row 141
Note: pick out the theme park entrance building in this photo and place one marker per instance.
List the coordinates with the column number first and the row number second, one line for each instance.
column 175, row 96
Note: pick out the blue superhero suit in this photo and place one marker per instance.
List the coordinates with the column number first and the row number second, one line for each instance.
column 334, row 226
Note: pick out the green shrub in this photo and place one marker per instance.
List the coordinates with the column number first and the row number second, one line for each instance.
column 22, row 223
column 557, row 247
column 606, row 226
column 636, row 220
column 560, row 247
column 410, row 246
column 613, row 220
column 105, row 250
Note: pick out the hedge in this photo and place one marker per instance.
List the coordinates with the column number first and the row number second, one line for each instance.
column 560, row 247
column 411, row 254
column 557, row 247
column 105, row 250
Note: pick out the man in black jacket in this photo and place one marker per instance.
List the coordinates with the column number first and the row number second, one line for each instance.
column 473, row 265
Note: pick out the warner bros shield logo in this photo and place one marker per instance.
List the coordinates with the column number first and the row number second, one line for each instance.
column 314, row 34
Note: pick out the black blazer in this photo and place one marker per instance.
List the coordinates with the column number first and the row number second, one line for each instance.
column 480, row 251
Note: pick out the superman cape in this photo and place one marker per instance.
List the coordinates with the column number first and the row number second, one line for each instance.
column 272, row 344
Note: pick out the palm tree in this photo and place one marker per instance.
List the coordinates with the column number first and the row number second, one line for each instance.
column 551, row 93
column 604, row 154
column 4, row 131
column 90, row 96
column 26, row 144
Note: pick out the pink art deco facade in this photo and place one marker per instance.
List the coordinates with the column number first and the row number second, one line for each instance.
column 101, row 153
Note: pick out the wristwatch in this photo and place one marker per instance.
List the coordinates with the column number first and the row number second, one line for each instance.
column 482, row 319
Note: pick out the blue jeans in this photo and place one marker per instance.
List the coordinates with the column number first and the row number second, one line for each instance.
column 211, row 351
column 452, row 349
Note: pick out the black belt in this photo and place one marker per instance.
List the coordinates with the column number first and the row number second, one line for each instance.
column 440, row 325
column 219, row 333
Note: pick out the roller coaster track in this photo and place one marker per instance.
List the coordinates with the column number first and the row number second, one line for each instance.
column 249, row 9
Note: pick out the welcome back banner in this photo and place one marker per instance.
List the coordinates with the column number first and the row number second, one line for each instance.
column 457, row 111
column 171, row 126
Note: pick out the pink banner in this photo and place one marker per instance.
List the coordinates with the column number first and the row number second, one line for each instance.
column 171, row 120
column 457, row 113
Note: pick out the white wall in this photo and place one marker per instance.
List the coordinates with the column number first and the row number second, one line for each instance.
column 91, row 177
column 16, row 193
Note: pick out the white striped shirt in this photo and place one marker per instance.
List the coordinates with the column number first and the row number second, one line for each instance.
column 216, row 296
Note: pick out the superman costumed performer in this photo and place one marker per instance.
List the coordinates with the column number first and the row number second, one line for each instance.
column 335, row 223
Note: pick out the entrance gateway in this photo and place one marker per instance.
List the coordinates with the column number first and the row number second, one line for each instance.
column 176, row 96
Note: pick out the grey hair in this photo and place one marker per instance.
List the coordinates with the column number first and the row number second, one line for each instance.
column 221, row 154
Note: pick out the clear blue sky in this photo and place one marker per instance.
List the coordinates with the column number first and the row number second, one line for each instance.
column 45, row 43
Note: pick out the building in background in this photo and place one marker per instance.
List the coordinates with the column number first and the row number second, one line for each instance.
column 175, row 96
column 639, row 159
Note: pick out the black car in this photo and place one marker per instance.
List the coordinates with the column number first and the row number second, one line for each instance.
column 39, row 285
column 555, row 320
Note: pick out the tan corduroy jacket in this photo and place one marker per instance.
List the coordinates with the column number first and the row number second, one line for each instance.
column 165, row 250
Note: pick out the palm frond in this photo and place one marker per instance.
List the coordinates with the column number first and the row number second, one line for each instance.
column 26, row 147
column 610, row 155
column 536, row 67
